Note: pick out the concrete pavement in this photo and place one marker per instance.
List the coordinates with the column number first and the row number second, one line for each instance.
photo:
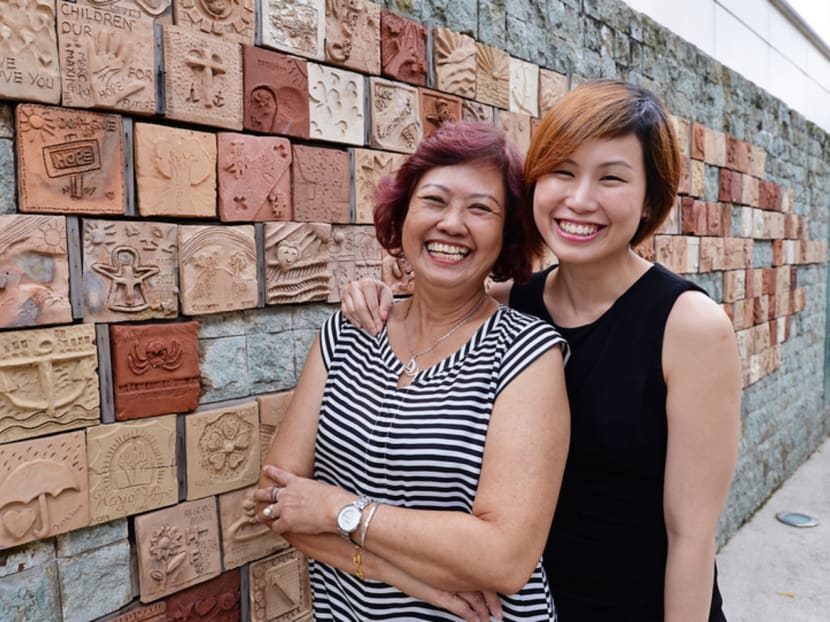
column 771, row 572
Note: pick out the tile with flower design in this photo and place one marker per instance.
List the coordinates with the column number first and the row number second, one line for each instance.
column 29, row 67
column 297, row 27
column 296, row 262
column 244, row 538
column 280, row 589
column 353, row 35
column 335, row 104
column 216, row 600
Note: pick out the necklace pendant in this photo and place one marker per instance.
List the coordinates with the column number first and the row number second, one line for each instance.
column 410, row 368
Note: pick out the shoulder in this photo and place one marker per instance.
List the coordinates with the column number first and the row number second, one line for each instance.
column 522, row 329
column 697, row 330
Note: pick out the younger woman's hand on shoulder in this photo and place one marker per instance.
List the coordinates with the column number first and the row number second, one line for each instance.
column 366, row 304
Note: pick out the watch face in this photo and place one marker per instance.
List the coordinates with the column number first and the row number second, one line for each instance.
column 349, row 518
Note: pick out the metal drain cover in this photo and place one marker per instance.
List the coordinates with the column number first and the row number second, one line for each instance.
column 796, row 519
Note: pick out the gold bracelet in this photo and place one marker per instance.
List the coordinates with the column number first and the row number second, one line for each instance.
column 358, row 571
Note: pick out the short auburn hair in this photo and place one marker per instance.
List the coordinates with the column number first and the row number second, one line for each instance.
column 463, row 142
column 607, row 109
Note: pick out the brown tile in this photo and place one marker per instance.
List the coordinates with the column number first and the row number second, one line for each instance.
column 296, row 262
column 320, row 180
column 436, row 108
column 44, row 489
column 354, row 253
column 394, row 113
column 132, row 467
column 698, row 144
column 160, row 10
column 714, row 147
column 524, row 87
column 297, row 27
column 231, row 21
column 353, row 35
column 244, row 538
column 397, row 273
column 155, row 369
column 129, row 270
column 203, row 78
column 51, row 384
column 177, row 547
column 34, row 271
column 682, row 129
column 475, row 111
column 402, row 49
column 222, row 449
column 29, row 67
column 156, row 612
column 369, row 167
column 254, row 177
column 280, row 589
column 175, row 171
column 335, row 104
column 492, row 76
column 217, row 268
column 69, row 161
column 517, row 126
column 454, row 61
column 216, row 600
column 106, row 55
column 552, row 86
column 272, row 410
column 276, row 92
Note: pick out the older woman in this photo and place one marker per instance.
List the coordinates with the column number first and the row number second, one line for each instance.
column 421, row 467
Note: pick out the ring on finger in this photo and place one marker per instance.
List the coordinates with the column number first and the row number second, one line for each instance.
column 274, row 491
column 268, row 512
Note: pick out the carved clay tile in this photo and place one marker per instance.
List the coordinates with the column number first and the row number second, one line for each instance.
column 203, row 78
column 216, row 600
column 321, row 183
column 254, row 177
column 177, row 547
column 552, row 86
column 175, row 171
column 354, row 253
column 402, row 49
column 698, row 143
column 454, row 60
column 217, row 268
column 106, row 54
column 222, row 449
column 244, row 538
column 369, row 167
column 474, row 111
column 279, row 588
column 276, row 92
column 296, row 27
column 492, row 76
column 436, row 108
column 29, row 67
column 70, row 161
column 49, row 383
column 34, row 271
column 335, row 104
column 156, row 612
column 296, row 262
column 353, row 35
column 394, row 116
column 132, row 468
column 155, row 369
column 272, row 410
column 524, row 87
column 232, row 20
column 517, row 126
column 129, row 270
column 397, row 273
column 682, row 129
column 43, row 488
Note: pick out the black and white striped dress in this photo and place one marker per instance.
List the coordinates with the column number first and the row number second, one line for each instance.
column 419, row 446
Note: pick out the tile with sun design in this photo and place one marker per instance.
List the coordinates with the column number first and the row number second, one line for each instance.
column 231, row 20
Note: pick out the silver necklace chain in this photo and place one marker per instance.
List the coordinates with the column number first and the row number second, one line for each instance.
column 411, row 367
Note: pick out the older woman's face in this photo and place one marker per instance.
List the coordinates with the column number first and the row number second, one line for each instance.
column 453, row 231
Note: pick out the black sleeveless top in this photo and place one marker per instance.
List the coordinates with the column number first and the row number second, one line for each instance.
column 606, row 552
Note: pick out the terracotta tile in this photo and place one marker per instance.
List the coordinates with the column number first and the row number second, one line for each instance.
column 244, row 539
column 757, row 161
column 524, row 87
column 335, row 104
column 107, row 58
column 670, row 250
column 44, row 490
column 684, row 185
column 280, row 589
column 132, row 468
column 155, row 369
column 217, row 268
column 552, row 86
column 129, row 270
column 736, row 185
column 51, row 384
column 276, row 92
column 156, row 612
column 671, row 224
column 750, row 190
column 231, row 21
column 732, row 148
column 296, row 262
column 34, row 271
column 714, row 219
column 354, row 253
column 436, row 108
column 454, row 62
column 297, row 27
column 369, row 167
column 743, row 156
column 492, row 76
column 692, row 254
column 175, row 171
column 203, row 78
column 69, row 161
column 697, row 178
column 217, row 600
column 320, row 180
column 222, row 449
column 714, row 147
column 698, row 145
column 682, row 129
column 474, row 111
column 517, row 126
column 29, row 68
column 397, row 273
column 395, row 116
column 402, row 49
column 353, row 35
column 272, row 410
column 254, row 177
column 176, row 548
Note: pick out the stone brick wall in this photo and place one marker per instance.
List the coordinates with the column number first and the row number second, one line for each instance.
column 183, row 187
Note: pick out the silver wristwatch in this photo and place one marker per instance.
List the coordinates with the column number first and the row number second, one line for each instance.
column 350, row 516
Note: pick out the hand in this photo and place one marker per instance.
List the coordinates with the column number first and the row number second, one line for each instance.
column 366, row 304
column 110, row 58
